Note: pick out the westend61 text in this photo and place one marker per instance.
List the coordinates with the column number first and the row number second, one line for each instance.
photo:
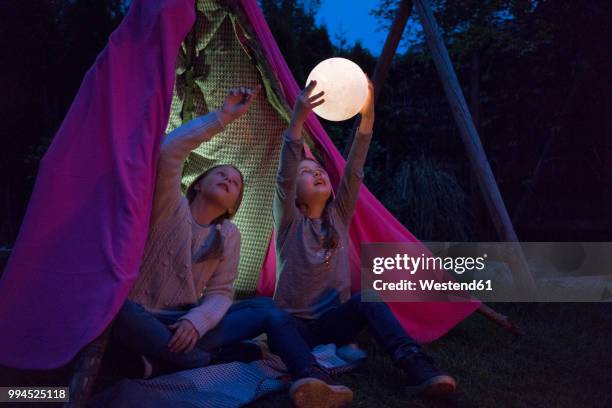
column 475, row 285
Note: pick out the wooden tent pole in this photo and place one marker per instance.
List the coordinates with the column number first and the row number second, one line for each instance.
column 523, row 279
column 378, row 78
column 386, row 58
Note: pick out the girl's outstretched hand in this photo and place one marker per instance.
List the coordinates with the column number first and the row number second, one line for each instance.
column 368, row 106
column 237, row 102
column 306, row 102
column 367, row 111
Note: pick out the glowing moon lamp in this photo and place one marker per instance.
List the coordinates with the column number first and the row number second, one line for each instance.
column 345, row 86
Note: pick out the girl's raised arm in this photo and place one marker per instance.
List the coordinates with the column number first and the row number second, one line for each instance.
column 348, row 189
column 284, row 207
column 179, row 143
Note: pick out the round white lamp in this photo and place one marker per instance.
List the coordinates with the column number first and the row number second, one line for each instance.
column 345, row 86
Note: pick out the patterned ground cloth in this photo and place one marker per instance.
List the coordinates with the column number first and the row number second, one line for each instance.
column 219, row 386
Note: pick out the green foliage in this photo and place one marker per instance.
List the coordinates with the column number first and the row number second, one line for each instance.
column 302, row 43
column 429, row 201
column 532, row 68
column 520, row 64
column 524, row 65
column 48, row 46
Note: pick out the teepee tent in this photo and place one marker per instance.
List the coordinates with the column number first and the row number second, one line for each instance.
column 236, row 36
column 79, row 248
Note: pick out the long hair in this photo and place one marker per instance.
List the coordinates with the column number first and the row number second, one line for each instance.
column 331, row 238
column 215, row 249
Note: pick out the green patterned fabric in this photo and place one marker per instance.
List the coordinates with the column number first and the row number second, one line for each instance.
column 211, row 62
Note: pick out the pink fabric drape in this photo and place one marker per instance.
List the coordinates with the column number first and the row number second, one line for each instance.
column 371, row 221
column 80, row 245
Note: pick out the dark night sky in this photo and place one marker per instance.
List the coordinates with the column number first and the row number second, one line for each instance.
column 353, row 19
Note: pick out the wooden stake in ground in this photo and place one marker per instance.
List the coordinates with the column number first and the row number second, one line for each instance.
column 499, row 214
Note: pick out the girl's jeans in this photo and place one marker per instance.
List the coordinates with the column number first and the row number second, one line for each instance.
column 343, row 323
column 148, row 333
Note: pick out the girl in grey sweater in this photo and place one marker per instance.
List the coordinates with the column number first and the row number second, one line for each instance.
column 312, row 246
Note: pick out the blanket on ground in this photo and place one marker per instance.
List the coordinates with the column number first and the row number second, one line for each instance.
column 227, row 385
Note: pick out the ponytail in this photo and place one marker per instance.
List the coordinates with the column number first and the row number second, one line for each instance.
column 331, row 238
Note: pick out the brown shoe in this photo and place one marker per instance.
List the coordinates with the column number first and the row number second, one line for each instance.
column 314, row 393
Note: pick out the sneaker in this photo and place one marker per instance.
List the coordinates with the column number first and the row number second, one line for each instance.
column 424, row 379
column 316, row 389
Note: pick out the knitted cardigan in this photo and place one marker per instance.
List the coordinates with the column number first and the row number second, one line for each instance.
column 169, row 278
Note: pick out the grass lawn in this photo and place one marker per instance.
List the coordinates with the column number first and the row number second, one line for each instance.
column 565, row 360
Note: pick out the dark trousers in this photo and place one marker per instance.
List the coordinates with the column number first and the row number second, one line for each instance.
column 148, row 334
column 342, row 324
